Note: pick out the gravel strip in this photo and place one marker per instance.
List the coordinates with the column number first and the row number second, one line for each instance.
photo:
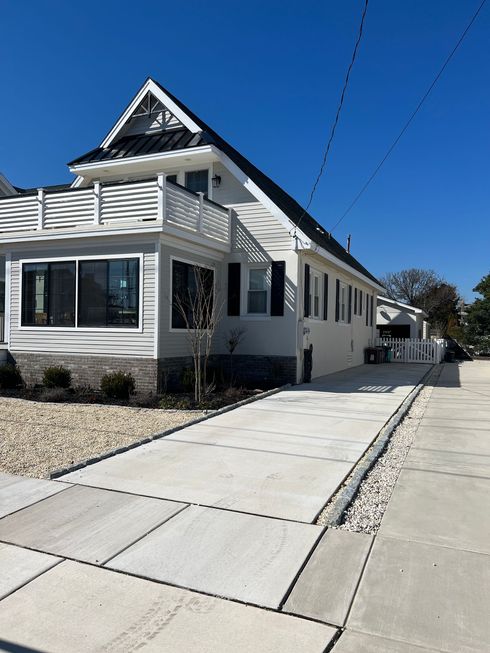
column 39, row 437
column 368, row 507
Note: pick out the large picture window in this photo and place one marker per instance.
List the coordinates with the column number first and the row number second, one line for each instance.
column 108, row 293
column 48, row 294
column 192, row 295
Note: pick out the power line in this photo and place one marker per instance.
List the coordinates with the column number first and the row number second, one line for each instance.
column 337, row 116
column 412, row 116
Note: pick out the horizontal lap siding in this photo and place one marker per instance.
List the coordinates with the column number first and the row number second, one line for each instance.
column 87, row 342
column 256, row 229
column 175, row 343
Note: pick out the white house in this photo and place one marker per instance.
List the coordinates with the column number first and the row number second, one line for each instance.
column 397, row 320
column 92, row 269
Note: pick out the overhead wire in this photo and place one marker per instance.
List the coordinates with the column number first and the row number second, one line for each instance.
column 410, row 119
column 336, row 119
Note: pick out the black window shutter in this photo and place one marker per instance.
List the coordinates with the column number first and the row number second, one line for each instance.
column 337, row 300
column 234, row 270
column 367, row 309
column 371, row 312
column 307, row 290
column 349, row 308
column 355, row 301
column 277, row 287
column 325, row 296
column 360, row 302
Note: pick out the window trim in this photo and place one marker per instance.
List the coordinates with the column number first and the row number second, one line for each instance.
column 267, row 314
column 173, row 258
column 21, row 306
column 315, row 274
column 343, row 285
column 76, row 259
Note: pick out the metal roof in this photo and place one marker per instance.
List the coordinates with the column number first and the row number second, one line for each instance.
column 141, row 145
column 175, row 139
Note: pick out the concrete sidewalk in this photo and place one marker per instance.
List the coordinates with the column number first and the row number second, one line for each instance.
column 426, row 586
column 143, row 549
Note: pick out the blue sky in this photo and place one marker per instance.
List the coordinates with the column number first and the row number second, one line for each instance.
column 267, row 75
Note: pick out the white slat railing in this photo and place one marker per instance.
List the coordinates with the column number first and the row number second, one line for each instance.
column 154, row 200
column 414, row 350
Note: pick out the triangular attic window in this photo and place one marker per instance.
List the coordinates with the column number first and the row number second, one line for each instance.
column 151, row 115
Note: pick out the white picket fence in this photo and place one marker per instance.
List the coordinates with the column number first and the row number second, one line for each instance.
column 414, row 350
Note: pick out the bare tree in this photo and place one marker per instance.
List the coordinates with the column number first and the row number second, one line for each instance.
column 200, row 312
column 410, row 286
column 426, row 290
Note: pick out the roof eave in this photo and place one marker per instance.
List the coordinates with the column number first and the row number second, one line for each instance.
column 317, row 249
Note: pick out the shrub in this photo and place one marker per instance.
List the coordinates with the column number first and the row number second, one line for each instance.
column 57, row 376
column 188, row 379
column 54, row 394
column 10, row 376
column 117, row 385
column 176, row 402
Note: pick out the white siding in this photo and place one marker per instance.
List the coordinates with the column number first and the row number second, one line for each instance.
column 86, row 341
column 230, row 190
column 336, row 345
column 268, row 335
column 255, row 229
column 174, row 343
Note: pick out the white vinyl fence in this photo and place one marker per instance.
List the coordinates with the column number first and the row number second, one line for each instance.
column 414, row 350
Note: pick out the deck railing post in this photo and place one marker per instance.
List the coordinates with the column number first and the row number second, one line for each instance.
column 162, row 196
column 230, row 217
column 96, row 202
column 40, row 208
column 201, row 211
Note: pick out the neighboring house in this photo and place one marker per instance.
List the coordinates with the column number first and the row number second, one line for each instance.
column 397, row 320
column 92, row 270
column 6, row 187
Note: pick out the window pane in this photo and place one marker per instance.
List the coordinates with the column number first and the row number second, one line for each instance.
column 35, row 294
column 48, row 294
column 186, row 305
column 257, row 280
column 172, row 178
column 108, row 293
column 257, row 301
column 61, row 295
column 122, row 300
column 197, row 181
column 92, row 293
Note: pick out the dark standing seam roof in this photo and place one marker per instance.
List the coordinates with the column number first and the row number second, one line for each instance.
column 177, row 139
column 140, row 145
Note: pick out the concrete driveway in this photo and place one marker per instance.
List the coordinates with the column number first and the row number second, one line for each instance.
column 138, row 550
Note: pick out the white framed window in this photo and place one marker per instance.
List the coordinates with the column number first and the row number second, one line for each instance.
column 257, row 292
column 343, row 301
column 315, row 294
column 84, row 293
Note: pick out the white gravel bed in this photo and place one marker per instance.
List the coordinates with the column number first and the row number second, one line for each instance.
column 38, row 437
column 368, row 507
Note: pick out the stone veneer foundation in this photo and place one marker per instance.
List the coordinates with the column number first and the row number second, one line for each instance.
column 152, row 375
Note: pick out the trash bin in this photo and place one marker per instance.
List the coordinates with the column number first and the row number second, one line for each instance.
column 372, row 355
column 450, row 356
column 388, row 353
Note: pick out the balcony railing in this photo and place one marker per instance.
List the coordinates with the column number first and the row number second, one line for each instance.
column 156, row 200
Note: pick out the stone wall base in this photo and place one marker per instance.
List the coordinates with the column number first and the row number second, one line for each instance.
column 165, row 374
column 88, row 370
